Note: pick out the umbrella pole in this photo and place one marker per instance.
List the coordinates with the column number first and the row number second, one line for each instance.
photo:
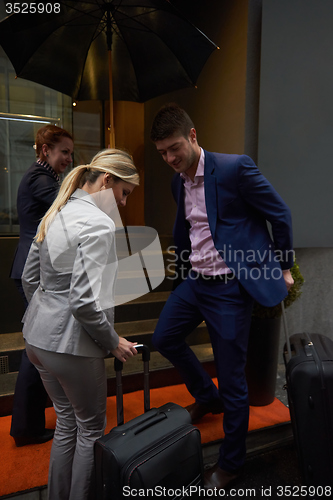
column 111, row 128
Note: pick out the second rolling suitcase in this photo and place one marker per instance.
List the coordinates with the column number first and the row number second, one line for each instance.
column 309, row 374
column 159, row 451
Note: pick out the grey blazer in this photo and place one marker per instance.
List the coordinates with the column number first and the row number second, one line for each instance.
column 69, row 281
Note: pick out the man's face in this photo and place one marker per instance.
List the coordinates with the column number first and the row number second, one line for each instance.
column 179, row 152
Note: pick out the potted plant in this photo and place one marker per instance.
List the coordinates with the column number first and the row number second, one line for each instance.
column 263, row 348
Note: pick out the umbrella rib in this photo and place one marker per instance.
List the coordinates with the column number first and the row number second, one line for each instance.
column 99, row 8
column 94, row 36
column 99, row 19
column 147, row 29
column 82, row 13
column 115, row 25
column 177, row 12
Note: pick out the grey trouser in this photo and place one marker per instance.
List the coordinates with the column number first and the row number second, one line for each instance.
column 77, row 388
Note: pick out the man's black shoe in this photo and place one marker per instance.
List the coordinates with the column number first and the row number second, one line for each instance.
column 42, row 438
column 199, row 410
column 219, row 478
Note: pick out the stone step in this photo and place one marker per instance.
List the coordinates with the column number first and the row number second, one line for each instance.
column 162, row 373
column 157, row 361
column 140, row 236
column 11, row 347
column 141, row 331
column 133, row 366
column 141, row 243
column 131, row 280
column 130, row 276
column 148, row 306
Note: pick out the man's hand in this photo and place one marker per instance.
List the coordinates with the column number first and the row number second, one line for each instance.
column 289, row 280
column 124, row 350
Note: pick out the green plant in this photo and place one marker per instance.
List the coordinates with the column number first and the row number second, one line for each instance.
column 294, row 293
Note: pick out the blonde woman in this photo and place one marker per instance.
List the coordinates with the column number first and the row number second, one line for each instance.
column 68, row 328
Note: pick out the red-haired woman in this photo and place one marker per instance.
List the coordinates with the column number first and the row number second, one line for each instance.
column 36, row 193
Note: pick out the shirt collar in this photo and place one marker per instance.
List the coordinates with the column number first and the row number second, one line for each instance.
column 81, row 194
column 201, row 164
column 49, row 168
column 200, row 169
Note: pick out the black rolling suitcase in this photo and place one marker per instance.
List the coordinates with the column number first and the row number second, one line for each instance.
column 157, row 454
column 309, row 374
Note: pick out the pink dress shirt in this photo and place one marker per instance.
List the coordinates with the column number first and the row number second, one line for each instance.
column 204, row 257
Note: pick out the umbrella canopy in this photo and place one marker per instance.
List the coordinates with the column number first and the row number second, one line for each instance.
column 154, row 48
column 130, row 50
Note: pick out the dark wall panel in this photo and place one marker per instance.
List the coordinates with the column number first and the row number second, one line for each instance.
column 216, row 106
column 296, row 112
column 11, row 303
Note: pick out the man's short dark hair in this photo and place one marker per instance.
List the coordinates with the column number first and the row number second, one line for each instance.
column 171, row 119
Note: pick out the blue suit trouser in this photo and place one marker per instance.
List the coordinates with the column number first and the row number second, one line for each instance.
column 226, row 308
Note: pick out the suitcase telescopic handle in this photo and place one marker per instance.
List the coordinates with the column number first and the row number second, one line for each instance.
column 285, row 326
column 118, row 366
column 144, row 349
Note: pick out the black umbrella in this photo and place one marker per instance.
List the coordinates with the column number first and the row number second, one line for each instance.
column 154, row 48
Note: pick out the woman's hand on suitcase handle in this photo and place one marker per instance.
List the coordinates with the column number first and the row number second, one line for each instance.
column 124, row 350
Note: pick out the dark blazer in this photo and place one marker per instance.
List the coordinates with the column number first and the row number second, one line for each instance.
column 239, row 202
column 36, row 193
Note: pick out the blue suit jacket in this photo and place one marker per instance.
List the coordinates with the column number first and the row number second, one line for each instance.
column 36, row 193
column 239, row 202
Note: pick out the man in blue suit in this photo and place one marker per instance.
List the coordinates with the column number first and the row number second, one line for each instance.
column 225, row 259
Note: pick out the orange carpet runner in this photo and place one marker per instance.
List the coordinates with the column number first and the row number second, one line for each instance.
column 26, row 468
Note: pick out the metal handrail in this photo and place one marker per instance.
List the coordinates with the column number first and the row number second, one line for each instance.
column 28, row 118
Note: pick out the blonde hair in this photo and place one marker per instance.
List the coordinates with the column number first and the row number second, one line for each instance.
column 116, row 162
